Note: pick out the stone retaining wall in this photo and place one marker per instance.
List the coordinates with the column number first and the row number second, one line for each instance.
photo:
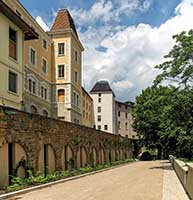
column 185, row 174
column 48, row 145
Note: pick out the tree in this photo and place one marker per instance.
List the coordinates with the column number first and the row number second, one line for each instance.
column 178, row 66
column 148, row 115
column 163, row 116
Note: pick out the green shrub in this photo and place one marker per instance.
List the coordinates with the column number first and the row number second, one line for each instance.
column 18, row 183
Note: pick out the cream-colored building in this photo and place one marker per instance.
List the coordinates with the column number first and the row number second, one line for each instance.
column 67, row 68
column 13, row 32
column 52, row 68
column 87, row 109
column 104, row 107
column 37, row 82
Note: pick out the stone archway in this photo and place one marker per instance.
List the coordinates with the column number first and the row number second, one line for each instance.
column 46, row 160
column 82, row 158
column 67, row 158
column 93, row 157
column 11, row 155
column 101, row 156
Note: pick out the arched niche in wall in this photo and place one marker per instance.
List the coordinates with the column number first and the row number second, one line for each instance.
column 82, row 159
column 46, row 160
column 67, row 158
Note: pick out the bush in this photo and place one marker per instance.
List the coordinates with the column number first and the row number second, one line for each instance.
column 146, row 156
column 18, row 183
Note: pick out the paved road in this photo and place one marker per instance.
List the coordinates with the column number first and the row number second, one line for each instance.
column 137, row 181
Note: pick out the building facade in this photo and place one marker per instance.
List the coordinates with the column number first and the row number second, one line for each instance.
column 51, row 68
column 87, row 109
column 67, row 68
column 104, row 107
column 37, row 82
column 124, row 119
column 14, row 31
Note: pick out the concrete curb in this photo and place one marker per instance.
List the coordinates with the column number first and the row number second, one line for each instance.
column 38, row 187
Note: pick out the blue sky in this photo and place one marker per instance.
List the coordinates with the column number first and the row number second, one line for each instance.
column 123, row 39
column 158, row 12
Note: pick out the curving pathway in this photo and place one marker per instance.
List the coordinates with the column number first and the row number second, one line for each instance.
column 136, row 181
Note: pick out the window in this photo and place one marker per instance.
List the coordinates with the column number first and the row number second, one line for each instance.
column 99, row 94
column 61, row 49
column 45, row 113
column 99, row 109
column 126, row 115
column 83, row 113
column 126, row 126
column 76, row 77
column 74, row 97
column 30, row 85
column 99, row 127
column 60, row 71
column 44, row 66
column 99, row 100
column 119, row 113
column 77, row 100
column 32, row 56
column 105, row 127
column 34, row 110
column 61, row 95
column 119, row 125
column 12, row 44
column 12, row 82
column 76, row 56
column 42, row 92
column 45, row 45
column 119, row 105
column 99, row 118
column 34, row 87
column 45, row 93
column 86, row 115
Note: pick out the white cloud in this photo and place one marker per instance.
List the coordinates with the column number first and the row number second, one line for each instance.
column 108, row 11
column 42, row 23
column 132, row 52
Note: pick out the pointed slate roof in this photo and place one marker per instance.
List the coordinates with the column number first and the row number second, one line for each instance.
column 64, row 20
column 101, row 86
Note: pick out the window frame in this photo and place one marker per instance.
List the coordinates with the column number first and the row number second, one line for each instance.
column 44, row 41
column 30, row 56
column 61, row 54
column 16, row 44
column 17, row 82
column 44, row 59
column 60, row 77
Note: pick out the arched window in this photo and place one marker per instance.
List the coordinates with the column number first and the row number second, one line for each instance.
column 34, row 110
column 61, row 95
column 45, row 113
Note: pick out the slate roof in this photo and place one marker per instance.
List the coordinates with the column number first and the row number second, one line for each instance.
column 64, row 20
column 101, row 86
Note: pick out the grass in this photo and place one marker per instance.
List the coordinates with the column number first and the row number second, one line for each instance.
column 19, row 183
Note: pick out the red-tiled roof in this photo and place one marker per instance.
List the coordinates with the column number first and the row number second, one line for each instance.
column 64, row 20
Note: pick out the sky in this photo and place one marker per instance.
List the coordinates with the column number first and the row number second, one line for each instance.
column 123, row 39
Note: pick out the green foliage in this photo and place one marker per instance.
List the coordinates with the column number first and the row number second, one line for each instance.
column 163, row 115
column 18, row 183
column 178, row 67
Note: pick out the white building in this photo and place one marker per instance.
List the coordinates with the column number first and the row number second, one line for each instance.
column 104, row 107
